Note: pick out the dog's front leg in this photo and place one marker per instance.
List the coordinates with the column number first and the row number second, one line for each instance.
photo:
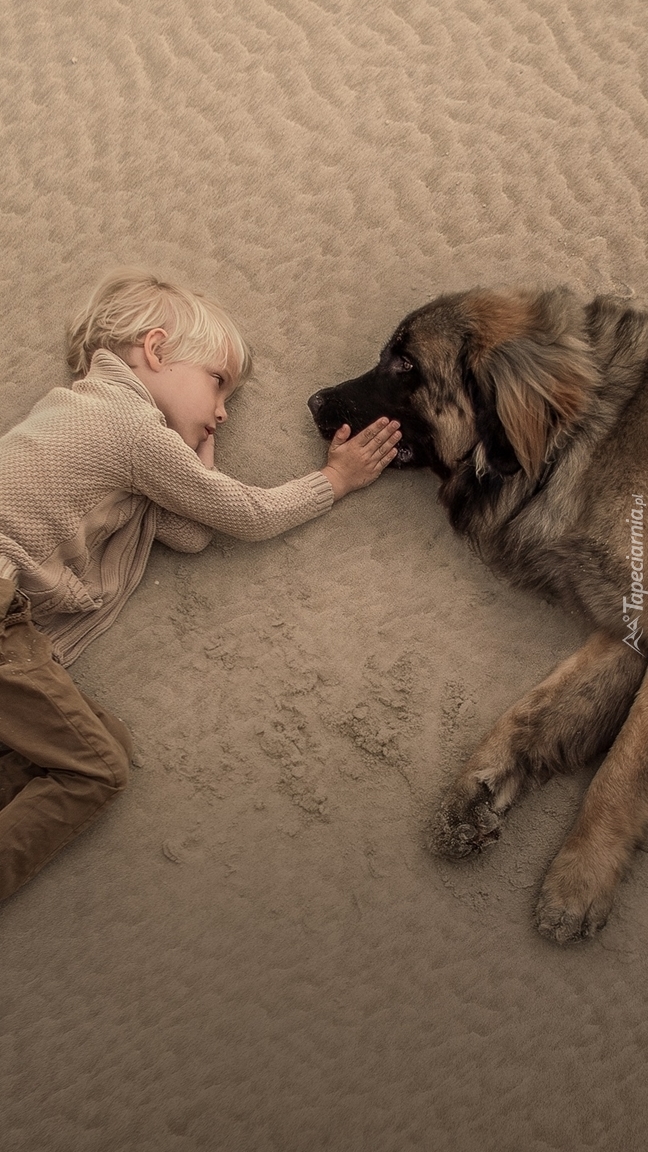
column 561, row 724
column 579, row 887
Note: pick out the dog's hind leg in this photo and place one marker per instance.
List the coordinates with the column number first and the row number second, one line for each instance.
column 561, row 724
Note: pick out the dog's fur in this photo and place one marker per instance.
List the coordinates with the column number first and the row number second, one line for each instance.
column 533, row 410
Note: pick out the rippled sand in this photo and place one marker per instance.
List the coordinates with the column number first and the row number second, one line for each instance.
column 252, row 951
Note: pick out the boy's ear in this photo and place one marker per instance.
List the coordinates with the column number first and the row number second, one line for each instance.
column 153, row 344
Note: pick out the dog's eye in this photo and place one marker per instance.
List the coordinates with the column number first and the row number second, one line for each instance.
column 405, row 364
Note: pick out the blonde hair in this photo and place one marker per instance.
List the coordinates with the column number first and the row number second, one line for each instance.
column 129, row 302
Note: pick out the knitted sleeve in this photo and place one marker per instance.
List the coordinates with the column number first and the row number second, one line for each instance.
column 181, row 534
column 169, row 472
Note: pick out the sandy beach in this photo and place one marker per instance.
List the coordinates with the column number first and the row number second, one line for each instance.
column 252, row 951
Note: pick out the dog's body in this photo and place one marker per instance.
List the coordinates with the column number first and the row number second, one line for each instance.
column 533, row 410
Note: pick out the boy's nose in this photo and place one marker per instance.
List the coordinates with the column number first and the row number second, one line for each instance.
column 221, row 415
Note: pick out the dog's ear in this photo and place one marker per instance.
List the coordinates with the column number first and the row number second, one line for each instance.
column 530, row 372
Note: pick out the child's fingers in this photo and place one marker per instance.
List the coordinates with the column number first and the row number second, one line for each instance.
column 382, row 446
column 380, row 430
column 381, row 462
column 341, row 435
column 387, row 459
column 387, row 435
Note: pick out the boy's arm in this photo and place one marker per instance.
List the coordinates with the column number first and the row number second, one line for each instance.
column 169, row 472
column 181, row 534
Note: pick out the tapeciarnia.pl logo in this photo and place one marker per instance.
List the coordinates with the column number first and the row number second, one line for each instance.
column 633, row 604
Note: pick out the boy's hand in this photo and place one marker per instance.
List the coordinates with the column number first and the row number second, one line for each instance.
column 205, row 452
column 355, row 461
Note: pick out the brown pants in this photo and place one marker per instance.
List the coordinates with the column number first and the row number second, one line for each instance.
column 65, row 757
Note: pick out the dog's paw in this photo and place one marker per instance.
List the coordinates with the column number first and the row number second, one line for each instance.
column 573, row 904
column 461, row 829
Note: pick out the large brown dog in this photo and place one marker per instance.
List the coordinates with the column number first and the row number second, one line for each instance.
column 533, row 410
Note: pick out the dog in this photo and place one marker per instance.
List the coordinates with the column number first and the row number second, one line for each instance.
column 532, row 408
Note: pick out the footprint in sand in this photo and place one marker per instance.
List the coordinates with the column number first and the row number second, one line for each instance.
column 184, row 849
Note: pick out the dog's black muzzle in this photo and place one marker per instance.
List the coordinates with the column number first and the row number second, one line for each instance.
column 357, row 404
column 354, row 402
column 330, row 411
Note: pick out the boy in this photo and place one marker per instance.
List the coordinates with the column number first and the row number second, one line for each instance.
column 88, row 480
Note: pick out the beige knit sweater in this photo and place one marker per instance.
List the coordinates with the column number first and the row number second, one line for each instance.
column 92, row 476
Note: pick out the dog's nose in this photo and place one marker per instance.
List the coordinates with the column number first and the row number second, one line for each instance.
column 315, row 402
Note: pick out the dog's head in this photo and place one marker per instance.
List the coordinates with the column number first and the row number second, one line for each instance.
column 481, row 377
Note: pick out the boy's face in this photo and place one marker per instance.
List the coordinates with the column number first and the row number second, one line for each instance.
column 192, row 400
